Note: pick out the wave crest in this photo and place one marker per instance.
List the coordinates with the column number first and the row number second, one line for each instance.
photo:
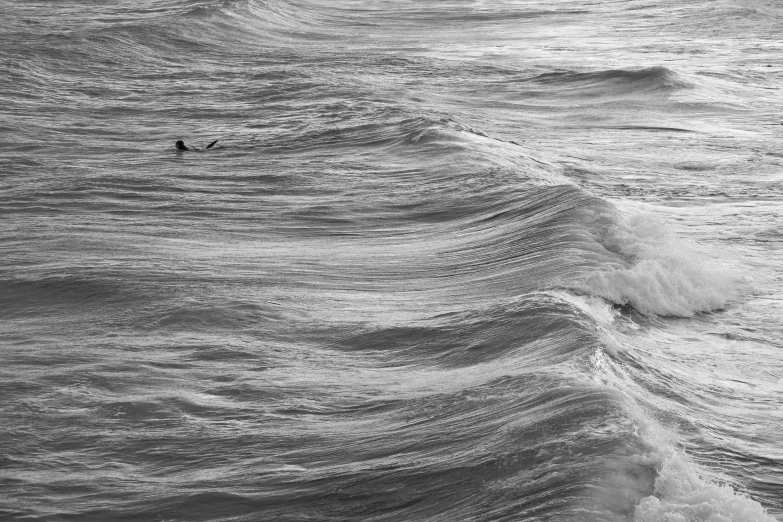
column 659, row 272
column 616, row 81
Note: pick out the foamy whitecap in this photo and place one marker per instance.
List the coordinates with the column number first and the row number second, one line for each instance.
column 682, row 495
column 661, row 273
column 682, row 491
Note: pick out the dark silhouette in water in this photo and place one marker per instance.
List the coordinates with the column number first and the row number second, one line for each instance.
column 181, row 145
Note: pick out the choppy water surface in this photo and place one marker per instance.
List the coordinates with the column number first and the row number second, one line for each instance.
column 453, row 260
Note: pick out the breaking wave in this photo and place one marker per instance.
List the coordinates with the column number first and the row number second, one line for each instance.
column 658, row 272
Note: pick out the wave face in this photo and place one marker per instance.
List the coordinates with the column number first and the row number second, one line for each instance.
column 447, row 261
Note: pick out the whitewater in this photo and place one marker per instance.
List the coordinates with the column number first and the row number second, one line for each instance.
column 450, row 260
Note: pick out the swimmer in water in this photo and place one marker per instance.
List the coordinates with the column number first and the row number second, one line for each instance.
column 180, row 145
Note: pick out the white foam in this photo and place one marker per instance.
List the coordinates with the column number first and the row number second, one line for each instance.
column 682, row 491
column 682, row 495
column 662, row 273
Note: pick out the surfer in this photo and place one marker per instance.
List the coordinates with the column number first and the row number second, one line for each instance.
column 180, row 145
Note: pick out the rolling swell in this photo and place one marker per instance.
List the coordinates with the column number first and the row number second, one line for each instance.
column 615, row 82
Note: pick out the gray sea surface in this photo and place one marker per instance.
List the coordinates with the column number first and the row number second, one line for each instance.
column 450, row 260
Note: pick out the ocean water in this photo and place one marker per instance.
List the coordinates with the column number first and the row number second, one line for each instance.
column 451, row 260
